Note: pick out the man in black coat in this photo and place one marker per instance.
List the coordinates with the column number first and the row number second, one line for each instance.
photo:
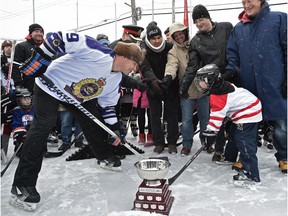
column 23, row 51
column 153, row 68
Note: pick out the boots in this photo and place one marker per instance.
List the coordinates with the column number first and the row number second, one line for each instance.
column 149, row 141
column 141, row 138
column 172, row 149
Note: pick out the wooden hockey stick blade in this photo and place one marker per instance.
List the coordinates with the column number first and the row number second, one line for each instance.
column 172, row 179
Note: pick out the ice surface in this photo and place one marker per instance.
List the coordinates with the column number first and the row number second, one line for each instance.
column 82, row 188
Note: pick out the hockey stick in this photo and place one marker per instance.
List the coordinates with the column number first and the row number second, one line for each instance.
column 11, row 159
column 70, row 100
column 58, row 154
column 172, row 179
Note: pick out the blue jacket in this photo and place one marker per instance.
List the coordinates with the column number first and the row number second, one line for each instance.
column 259, row 48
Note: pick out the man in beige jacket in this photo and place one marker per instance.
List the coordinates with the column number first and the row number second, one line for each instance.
column 176, row 65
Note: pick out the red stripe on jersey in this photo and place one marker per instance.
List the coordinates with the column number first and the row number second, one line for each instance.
column 246, row 108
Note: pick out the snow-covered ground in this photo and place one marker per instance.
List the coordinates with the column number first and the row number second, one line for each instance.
column 77, row 188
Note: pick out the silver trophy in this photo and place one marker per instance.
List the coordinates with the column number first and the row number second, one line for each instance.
column 152, row 170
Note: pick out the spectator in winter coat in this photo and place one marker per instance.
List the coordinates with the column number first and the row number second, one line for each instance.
column 206, row 47
column 258, row 46
column 6, row 60
column 141, row 103
column 23, row 51
column 176, row 65
column 153, row 68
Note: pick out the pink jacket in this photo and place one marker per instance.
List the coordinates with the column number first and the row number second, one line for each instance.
column 144, row 100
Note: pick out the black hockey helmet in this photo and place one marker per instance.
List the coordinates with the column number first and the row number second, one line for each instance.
column 23, row 93
column 207, row 74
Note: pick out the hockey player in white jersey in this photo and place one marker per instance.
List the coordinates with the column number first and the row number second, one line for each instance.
column 243, row 109
column 90, row 73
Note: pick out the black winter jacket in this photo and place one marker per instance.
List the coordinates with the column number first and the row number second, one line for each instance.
column 153, row 67
column 207, row 48
column 23, row 51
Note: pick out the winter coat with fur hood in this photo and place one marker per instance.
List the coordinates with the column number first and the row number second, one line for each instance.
column 178, row 58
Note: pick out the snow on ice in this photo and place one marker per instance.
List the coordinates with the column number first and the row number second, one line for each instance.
column 82, row 188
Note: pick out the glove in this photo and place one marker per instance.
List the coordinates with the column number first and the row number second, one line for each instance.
column 155, row 85
column 6, row 101
column 37, row 64
column 141, row 85
column 120, row 132
column 166, row 82
column 228, row 75
column 284, row 89
column 209, row 137
column 183, row 94
column 6, row 117
column 19, row 137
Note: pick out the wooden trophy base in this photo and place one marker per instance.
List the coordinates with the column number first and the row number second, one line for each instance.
column 154, row 198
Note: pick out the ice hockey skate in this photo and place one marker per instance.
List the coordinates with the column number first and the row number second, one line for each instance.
column 24, row 197
column 112, row 163
column 242, row 179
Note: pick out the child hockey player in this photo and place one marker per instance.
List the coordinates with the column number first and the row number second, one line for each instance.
column 22, row 117
column 244, row 110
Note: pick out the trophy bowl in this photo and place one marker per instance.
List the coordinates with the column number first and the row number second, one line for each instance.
column 152, row 170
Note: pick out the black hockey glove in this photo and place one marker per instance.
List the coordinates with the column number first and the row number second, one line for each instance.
column 166, row 82
column 228, row 75
column 209, row 137
column 37, row 64
column 6, row 118
column 7, row 104
column 284, row 89
column 19, row 137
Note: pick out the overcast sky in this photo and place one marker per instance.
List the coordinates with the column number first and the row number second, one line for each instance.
column 55, row 15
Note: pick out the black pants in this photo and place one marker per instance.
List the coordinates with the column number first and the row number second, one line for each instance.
column 35, row 145
column 171, row 105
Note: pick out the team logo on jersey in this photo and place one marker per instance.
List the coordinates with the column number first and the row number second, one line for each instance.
column 86, row 88
column 27, row 119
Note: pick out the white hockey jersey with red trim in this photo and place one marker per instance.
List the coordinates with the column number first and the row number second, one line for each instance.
column 241, row 106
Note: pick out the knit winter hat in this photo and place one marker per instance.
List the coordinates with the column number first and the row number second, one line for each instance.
column 35, row 27
column 129, row 50
column 152, row 30
column 200, row 11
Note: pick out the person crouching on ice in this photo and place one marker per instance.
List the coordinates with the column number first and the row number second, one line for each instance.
column 90, row 73
column 243, row 109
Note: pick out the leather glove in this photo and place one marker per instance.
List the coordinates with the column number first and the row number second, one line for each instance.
column 155, row 85
column 166, row 82
column 37, row 64
column 228, row 75
column 141, row 85
column 183, row 94
column 284, row 89
column 209, row 137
